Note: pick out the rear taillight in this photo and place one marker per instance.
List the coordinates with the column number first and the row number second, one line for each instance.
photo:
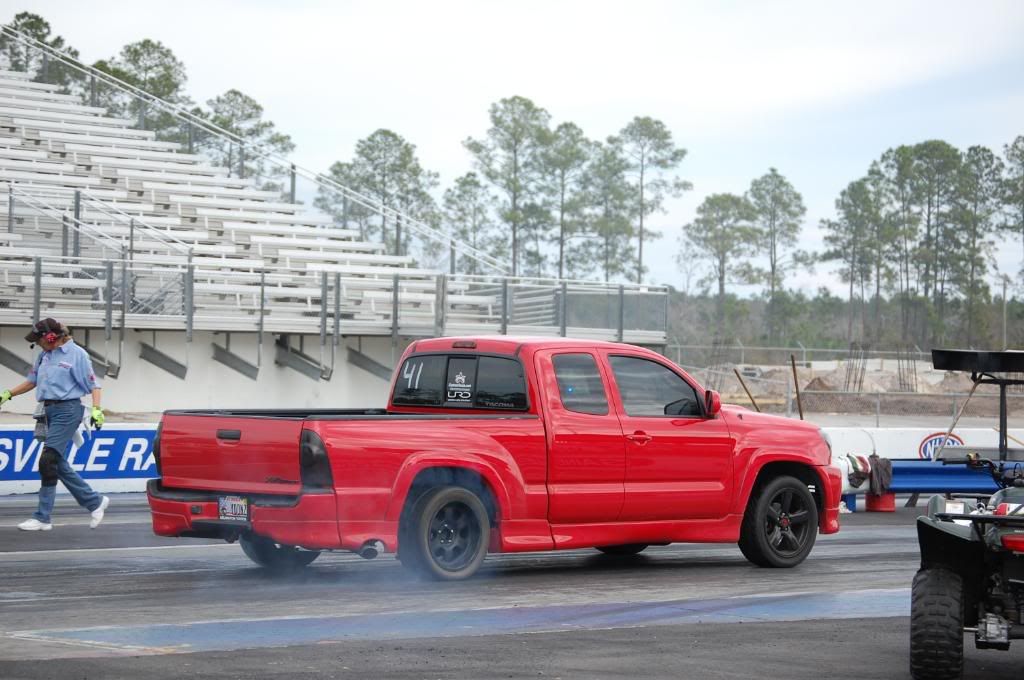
column 156, row 449
column 1009, row 509
column 1014, row 542
column 315, row 466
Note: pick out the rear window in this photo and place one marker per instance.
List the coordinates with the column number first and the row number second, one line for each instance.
column 453, row 381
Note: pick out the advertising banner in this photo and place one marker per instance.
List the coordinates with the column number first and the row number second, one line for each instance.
column 117, row 458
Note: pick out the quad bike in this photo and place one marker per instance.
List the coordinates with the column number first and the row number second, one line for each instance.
column 971, row 578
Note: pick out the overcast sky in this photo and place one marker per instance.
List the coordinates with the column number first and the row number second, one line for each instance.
column 815, row 89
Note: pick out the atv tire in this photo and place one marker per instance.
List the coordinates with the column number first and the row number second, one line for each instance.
column 937, row 625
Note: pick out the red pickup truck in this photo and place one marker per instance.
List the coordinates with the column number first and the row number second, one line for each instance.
column 500, row 444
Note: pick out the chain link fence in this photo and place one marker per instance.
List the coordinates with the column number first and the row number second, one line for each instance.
column 779, row 396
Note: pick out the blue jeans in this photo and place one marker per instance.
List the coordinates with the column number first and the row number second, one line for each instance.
column 62, row 419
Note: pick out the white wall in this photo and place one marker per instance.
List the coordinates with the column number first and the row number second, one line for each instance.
column 144, row 388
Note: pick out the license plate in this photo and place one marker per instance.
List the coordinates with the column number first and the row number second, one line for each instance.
column 233, row 508
column 956, row 507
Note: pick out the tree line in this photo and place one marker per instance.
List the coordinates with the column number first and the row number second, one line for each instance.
column 912, row 240
column 919, row 229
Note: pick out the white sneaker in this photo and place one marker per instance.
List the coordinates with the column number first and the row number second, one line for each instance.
column 97, row 514
column 35, row 525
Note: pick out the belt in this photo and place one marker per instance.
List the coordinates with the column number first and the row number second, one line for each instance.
column 51, row 402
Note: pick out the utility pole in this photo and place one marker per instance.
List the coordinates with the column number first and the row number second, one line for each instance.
column 1005, row 347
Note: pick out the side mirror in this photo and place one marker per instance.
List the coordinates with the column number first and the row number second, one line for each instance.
column 712, row 403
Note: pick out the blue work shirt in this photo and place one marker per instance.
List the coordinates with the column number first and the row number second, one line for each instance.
column 64, row 372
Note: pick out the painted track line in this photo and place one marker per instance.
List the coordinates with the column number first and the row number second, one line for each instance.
column 66, row 551
column 250, row 633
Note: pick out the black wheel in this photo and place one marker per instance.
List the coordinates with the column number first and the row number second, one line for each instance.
column 623, row 550
column 780, row 524
column 274, row 556
column 446, row 534
column 937, row 625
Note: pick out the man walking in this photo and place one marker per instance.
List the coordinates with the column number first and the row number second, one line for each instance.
column 61, row 376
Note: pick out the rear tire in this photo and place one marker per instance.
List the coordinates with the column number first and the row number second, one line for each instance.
column 780, row 524
column 446, row 534
column 624, row 550
column 937, row 625
column 274, row 556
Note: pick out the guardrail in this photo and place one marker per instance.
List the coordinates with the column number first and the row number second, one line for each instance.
column 149, row 292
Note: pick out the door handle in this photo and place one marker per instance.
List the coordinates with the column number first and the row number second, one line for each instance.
column 229, row 435
column 640, row 438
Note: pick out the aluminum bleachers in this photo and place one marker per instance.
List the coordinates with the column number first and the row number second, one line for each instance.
column 98, row 213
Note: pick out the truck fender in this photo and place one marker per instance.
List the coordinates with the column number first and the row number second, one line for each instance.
column 417, row 463
column 760, row 460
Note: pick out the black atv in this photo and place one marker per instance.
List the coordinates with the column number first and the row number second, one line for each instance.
column 972, row 547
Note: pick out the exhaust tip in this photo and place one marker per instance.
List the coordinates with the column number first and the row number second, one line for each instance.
column 371, row 549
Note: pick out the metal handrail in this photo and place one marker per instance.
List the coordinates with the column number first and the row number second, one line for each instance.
column 281, row 162
column 553, row 281
column 162, row 235
column 105, row 207
column 48, row 210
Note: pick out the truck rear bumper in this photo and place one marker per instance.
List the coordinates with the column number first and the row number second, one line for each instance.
column 308, row 520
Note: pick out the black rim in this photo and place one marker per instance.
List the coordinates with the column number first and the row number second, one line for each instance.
column 787, row 524
column 454, row 536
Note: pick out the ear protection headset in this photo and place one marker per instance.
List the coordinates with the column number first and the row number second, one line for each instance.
column 46, row 332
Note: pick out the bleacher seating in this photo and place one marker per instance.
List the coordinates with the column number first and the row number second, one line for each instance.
column 237, row 233
column 153, row 215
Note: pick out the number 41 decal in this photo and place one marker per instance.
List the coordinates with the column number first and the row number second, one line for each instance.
column 412, row 373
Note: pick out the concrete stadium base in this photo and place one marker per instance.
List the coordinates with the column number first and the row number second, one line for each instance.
column 142, row 387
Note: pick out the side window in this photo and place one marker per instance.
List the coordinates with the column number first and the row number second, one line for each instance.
column 579, row 384
column 421, row 381
column 500, row 384
column 649, row 389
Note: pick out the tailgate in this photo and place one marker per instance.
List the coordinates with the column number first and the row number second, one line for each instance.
column 231, row 453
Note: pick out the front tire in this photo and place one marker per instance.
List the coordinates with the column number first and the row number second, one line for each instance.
column 937, row 625
column 780, row 524
column 446, row 534
column 274, row 556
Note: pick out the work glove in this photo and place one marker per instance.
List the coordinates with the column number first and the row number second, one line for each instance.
column 5, row 397
column 97, row 417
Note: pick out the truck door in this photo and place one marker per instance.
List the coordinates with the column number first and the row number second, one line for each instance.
column 678, row 462
column 586, row 451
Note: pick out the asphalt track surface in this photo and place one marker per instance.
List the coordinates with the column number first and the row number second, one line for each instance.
column 119, row 602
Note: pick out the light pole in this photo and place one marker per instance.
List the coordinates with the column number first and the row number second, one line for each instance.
column 1005, row 279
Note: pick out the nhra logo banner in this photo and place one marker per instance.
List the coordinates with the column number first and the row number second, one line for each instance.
column 115, row 452
column 930, row 444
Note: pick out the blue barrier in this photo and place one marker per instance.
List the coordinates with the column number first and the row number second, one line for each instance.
column 121, row 451
column 928, row 476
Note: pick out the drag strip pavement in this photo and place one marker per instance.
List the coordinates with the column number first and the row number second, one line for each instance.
column 119, row 590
